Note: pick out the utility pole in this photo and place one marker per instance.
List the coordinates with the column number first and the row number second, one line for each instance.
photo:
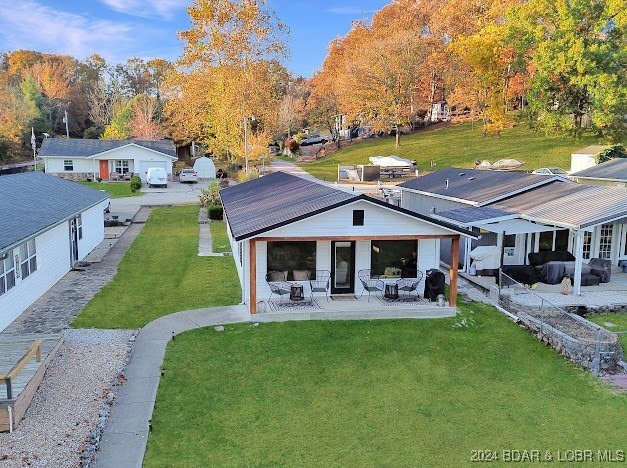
column 67, row 131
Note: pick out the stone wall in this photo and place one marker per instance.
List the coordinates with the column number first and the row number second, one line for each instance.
column 570, row 335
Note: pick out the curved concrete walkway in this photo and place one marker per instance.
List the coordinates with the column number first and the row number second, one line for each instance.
column 124, row 439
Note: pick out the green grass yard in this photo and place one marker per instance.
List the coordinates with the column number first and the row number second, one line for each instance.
column 161, row 274
column 457, row 146
column 615, row 323
column 115, row 189
column 219, row 238
column 374, row 393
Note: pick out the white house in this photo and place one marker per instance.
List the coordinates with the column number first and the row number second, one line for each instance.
column 525, row 213
column 285, row 223
column 585, row 157
column 205, row 168
column 48, row 224
column 105, row 159
column 440, row 111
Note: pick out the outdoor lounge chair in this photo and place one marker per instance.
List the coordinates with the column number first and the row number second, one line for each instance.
column 321, row 283
column 602, row 268
column 278, row 285
column 372, row 285
column 408, row 285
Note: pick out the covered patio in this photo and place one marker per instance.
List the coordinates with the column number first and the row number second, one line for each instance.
column 293, row 230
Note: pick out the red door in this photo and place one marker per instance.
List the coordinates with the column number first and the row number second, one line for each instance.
column 104, row 169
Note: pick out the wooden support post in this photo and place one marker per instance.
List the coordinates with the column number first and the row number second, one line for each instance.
column 453, row 272
column 252, row 286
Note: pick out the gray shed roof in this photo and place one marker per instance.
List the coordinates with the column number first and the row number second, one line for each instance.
column 34, row 202
column 568, row 205
column 83, row 148
column 614, row 169
column 278, row 199
column 476, row 187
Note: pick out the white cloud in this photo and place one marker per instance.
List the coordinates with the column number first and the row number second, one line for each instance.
column 30, row 25
column 147, row 9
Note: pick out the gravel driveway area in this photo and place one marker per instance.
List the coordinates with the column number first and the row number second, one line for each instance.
column 63, row 423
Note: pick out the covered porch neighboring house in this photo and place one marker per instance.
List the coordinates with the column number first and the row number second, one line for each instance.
column 284, row 223
column 588, row 221
column 90, row 159
column 523, row 213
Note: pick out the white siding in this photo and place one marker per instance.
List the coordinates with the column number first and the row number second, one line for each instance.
column 139, row 159
column 53, row 262
column 378, row 221
column 93, row 229
column 81, row 165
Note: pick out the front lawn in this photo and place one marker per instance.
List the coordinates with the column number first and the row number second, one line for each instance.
column 457, row 146
column 115, row 189
column 219, row 238
column 162, row 273
column 375, row 393
column 615, row 323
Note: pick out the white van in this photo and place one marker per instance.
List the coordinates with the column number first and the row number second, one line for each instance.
column 156, row 176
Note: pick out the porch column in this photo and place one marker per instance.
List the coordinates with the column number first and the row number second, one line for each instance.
column 578, row 252
column 453, row 271
column 252, row 276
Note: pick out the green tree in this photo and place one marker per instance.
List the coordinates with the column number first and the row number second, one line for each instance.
column 577, row 52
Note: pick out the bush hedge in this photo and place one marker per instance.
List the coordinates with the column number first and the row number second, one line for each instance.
column 215, row 212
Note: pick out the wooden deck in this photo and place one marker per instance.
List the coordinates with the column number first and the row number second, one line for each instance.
column 26, row 382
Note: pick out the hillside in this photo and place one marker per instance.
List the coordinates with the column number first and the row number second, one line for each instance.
column 459, row 146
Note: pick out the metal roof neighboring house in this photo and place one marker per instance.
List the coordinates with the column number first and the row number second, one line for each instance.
column 591, row 150
column 85, row 148
column 33, row 202
column 278, row 199
column 476, row 187
column 612, row 170
column 566, row 205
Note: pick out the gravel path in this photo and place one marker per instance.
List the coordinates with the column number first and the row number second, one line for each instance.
column 62, row 425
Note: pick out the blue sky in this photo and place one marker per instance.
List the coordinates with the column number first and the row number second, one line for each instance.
column 121, row 29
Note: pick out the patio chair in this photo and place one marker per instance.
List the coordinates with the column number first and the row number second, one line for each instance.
column 408, row 285
column 277, row 284
column 602, row 268
column 372, row 285
column 321, row 283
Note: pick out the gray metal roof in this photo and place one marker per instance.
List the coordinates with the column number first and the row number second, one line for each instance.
column 82, row 148
column 614, row 169
column 278, row 199
column 469, row 215
column 568, row 205
column 476, row 187
column 34, row 202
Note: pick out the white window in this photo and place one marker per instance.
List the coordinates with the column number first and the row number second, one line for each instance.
column 121, row 167
column 7, row 272
column 68, row 165
column 587, row 244
column 28, row 258
column 605, row 241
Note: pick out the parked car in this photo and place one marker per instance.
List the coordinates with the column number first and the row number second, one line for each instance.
column 313, row 141
column 156, row 176
column 188, row 175
column 550, row 171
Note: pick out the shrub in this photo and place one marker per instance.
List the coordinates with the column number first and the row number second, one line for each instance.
column 615, row 151
column 211, row 195
column 215, row 212
column 136, row 183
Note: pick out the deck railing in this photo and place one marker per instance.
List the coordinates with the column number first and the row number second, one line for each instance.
column 33, row 350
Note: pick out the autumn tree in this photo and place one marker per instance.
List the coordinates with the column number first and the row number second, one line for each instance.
column 228, row 71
